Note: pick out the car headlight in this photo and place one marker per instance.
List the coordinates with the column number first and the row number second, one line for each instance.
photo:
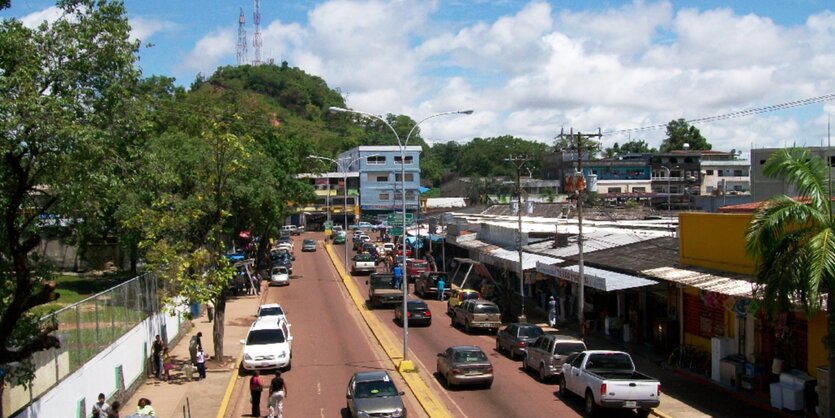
column 397, row 412
column 282, row 354
column 247, row 357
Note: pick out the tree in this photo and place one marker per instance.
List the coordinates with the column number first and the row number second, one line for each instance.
column 679, row 132
column 60, row 82
column 634, row 146
column 792, row 241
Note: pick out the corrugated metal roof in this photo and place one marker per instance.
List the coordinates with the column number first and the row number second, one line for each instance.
column 597, row 278
column 446, row 202
column 732, row 285
column 594, row 239
column 509, row 259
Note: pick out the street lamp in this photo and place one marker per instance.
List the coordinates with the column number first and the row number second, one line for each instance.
column 343, row 167
column 405, row 364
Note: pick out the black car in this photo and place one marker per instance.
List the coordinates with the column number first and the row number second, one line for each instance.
column 370, row 248
column 417, row 312
column 281, row 258
column 516, row 337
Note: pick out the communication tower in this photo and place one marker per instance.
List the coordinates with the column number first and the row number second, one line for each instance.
column 242, row 47
column 256, row 38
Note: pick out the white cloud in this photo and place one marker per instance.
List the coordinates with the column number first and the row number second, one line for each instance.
column 49, row 15
column 143, row 28
column 212, row 49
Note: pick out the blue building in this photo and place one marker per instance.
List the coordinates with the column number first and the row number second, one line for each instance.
column 379, row 170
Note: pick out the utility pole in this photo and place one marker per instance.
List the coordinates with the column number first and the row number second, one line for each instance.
column 580, row 186
column 519, row 163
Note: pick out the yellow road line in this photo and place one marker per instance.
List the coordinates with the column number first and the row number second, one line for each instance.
column 221, row 412
column 430, row 403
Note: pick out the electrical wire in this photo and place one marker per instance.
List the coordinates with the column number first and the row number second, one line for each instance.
column 733, row 115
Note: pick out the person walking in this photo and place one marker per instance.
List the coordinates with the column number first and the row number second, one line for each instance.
column 201, row 363
column 552, row 312
column 167, row 364
column 441, row 287
column 157, row 355
column 101, row 409
column 193, row 345
column 210, row 310
column 255, row 388
column 278, row 391
column 398, row 276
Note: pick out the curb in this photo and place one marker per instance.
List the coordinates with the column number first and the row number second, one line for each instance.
column 427, row 399
column 659, row 414
column 227, row 396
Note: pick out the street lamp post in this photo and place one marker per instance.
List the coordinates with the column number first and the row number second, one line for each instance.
column 343, row 167
column 405, row 364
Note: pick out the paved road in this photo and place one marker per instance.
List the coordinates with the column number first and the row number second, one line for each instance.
column 330, row 342
column 514, row 393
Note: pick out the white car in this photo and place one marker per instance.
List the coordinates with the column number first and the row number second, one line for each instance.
column 273, row 311
column 388, row 247
column 268, row 345
column 279, row 276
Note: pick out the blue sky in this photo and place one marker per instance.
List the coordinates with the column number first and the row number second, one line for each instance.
column 527, row 68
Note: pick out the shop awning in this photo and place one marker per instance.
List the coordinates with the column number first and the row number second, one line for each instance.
column 594, row 277
column 509, row 259
column 727, row 285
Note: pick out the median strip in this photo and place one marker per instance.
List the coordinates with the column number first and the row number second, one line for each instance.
column 427, row 399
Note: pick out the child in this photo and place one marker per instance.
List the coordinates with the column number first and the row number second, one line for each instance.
column 201, row 363
column 167, row 365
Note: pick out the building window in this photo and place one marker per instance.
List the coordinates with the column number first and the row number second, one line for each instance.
column 398, row 196
column 378, row 178
column 708, row 172
column 384, row 197
column 409, row 177
column 614, row 190
column 376, row 160
column 410, row 195
column 738, row 173
column 720, row 173
column 709, row 189
column 639, row 189
column 409, row 159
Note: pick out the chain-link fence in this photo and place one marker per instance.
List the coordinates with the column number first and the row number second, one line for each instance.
column 87, row 327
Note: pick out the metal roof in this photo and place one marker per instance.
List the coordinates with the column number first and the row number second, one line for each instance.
column 509, row 259
column 727, row 284
column 597, row 278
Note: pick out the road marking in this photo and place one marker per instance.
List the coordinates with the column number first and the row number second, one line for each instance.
column 318, row 388
column 221, row 412
column 322, row 412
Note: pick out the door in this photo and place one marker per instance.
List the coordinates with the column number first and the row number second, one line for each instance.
column 535, row 352
column 507, row 337
column 443, row 362
column 575, row 382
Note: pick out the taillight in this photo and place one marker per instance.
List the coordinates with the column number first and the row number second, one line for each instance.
column 659, row 389
column 488, row 369
column 427, row 313
column 408, row 314
column 603, row 389
column 456, row 371
column 521, row 344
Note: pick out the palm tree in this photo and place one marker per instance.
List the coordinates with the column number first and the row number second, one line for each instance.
column 792, row 241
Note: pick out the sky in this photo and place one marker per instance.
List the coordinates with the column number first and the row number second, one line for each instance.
column 526, row 68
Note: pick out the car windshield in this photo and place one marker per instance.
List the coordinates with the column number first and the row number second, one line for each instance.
column 568, row 348
column 273, row 310
column 470, row 356
column 420, row 264
column 416, row 305
column 309, row 242
column 487, row 309
column 280, row 270
column 382, row 281
column 375, row 389
column 609, row 361
column 530, row 332
column 469, row 295
column 265, row 336
column 363, row 257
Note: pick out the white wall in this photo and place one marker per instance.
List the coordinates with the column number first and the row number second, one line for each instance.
column 100, row 374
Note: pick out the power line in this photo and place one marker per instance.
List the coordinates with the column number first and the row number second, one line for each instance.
column 733, row 115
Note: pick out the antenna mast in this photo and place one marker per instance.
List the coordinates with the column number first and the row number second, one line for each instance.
column 256, row 38
column 241, row 50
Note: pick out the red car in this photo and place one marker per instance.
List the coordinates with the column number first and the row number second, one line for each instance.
column 415, row 267
column 400, row 251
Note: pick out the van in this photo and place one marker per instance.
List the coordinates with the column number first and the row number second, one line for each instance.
column 291, row 230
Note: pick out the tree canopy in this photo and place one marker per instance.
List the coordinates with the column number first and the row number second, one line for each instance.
column 634, row 146
column 679, row 132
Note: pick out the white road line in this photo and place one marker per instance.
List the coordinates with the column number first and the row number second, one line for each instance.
column 322, row 412
column 318, row 388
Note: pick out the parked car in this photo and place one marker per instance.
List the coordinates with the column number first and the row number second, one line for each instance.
column 465, row 365
column 272, row 310
column 415, row 267
column 477, row 314
column 268, row 345
column 281, row 257
column 427, row 282
column 458, row 296
column 417, row 313
column 365, row 225
column 608, row 379
column 308, row 245
column 516, row 337
column 279, row 276
column 371, row 248
column 549, row 352
column 373, row 394
column 399, row 251
column 291, row 230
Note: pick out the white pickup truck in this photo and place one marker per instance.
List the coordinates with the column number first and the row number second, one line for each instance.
column 607, row 379
column 363, row 263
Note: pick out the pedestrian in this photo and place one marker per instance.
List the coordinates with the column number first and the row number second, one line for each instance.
column 201, row 363
column 255, row 388
column 398, row 276
column 193, row 345
column 278, row 391
column 114, row 410
column 210, row 310
column 144, row 408
column 552, row 312
column 157, row 355
column 101, row 409
column 167, row 364
column 441, row 286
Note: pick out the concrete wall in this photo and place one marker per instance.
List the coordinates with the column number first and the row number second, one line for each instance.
column 66, row 257
column 715, row 241
column 112, row 371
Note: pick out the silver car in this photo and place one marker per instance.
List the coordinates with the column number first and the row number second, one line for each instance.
column 373, row 394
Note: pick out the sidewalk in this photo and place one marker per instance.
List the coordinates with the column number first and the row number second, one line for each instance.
column 684, row 394
column 174, row 399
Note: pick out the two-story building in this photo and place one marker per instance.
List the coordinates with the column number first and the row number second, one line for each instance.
column 336, row 195
column 620, row 175
column 380, row 174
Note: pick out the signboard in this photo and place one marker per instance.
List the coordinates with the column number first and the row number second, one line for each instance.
column 396, row 231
